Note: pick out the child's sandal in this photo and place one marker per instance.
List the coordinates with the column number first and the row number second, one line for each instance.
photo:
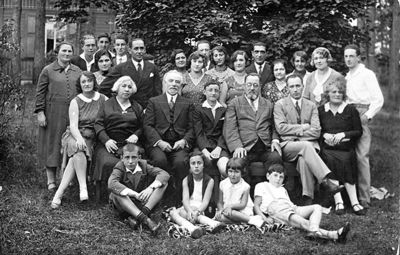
column 51, row 186
column 339, row 208
column 361, row 211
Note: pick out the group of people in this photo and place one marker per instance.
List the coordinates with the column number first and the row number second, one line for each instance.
column 199, row 126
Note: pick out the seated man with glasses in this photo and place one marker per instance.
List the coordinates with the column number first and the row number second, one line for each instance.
column 249, row 126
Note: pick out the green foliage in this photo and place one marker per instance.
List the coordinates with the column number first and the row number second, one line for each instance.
column 286, row 25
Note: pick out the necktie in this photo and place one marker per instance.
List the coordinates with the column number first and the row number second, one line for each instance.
column 298, row 112
column 259, row 68
column 171, row 103
column 139, row 69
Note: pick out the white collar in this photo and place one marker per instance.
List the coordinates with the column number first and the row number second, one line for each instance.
column 137, row 62
column 89, row 100
column 339, row 110
column 207, row 105
column 170, row 96
column 83, row 57
column 137, row 169
column 294, row 101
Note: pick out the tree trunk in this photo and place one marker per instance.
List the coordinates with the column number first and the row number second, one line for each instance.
column 16, row 61
column 372, row 35
column 40, row 57
column 394, row 79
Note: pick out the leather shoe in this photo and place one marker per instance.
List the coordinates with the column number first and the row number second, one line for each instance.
column 342, row 237
column 330, row 187
column 133, row 224
column 152, row 225
column 360, row 212
column 339, row 209
column 364, row 204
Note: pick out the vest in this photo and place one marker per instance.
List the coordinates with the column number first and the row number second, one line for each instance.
column 206, row 179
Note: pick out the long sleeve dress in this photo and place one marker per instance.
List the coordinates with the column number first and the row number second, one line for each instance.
column 56, row 88
column 114, row 123
column 341, row 158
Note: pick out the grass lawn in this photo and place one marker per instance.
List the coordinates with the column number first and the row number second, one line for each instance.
column 29, row 226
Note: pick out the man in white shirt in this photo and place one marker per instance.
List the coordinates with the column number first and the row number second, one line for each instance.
column 364, row 93
column 297, row 123
column 85, row 60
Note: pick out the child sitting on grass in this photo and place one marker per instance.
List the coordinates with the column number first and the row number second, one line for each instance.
column 272, row 198
column 136, row 187
column 197, row 189
column 235, row 204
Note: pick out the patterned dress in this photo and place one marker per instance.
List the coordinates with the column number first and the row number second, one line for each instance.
column 235, row 88
column 194, row 92
column 220, row 76
column 271, row 92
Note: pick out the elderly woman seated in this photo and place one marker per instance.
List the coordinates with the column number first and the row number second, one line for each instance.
column 118, row 122
column 340, row 129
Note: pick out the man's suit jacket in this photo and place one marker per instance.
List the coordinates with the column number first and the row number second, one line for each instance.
column 285, row 116
column 243, row 127
column 266, row 74
column 120, row 179
column 81, row 63
column 157, row 119
column 207, row 128
column 148, row 84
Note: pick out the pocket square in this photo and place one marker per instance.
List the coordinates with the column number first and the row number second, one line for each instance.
column 223, row 118
column 151, row 75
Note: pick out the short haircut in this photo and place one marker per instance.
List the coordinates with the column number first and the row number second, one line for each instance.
column 252, row 74
column 212, row 81
column 353, row 47
column 131, row 147
column 276, row 168
column 258, row 43
column 122, row 80
column 91, row 77
column 301, row 54
column 121, row 36
column 201, row 42
column 340, row 84
column 58, row 46
column 98, row 55
column 196, row 153
column 136, row 39
column 324, row 52
column 195, row 56
column 169, row 73
column 293, row 76
column 236, row 54
column 86, row 37
column 279, row 61
column 220, row 48
column 174, row 53
column 237, row 164
column 104, row 35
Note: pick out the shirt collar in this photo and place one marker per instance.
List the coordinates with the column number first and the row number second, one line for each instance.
column 88, row 100
column 169, row 97
column 294, row 101
column 136, row 63
column 207, row 105
column 339, row 110
column 137, row 169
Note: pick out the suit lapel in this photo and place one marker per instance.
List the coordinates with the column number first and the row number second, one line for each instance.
column 247, row 107
column 178, row 107
column 165, row 106
column 218, row 115
column 261, row 108
column 208, row 113
column 292, row 113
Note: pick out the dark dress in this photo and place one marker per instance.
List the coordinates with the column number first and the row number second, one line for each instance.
column 341, row 158
column 113, row 123
column 55, row 90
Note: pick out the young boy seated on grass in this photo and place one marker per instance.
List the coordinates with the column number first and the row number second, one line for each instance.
column 197, row 189
column 272, row 199
column 235, row 204
column 136, row 187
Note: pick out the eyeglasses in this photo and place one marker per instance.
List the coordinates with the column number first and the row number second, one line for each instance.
column 254, row 85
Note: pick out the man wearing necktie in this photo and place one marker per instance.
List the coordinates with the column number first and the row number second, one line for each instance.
column 260, row 65
column 249, row 126
column 297, row 123
column 143, row 73
column 136, row 187
column 168, row 128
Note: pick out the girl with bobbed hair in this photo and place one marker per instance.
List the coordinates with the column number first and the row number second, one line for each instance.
column 318, row 80
column 276, row 89
column 235, row 82
column 299, row 61
column 220, row 60
column 102, row 63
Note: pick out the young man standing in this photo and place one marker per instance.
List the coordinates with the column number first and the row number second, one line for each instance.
column 364, row 93
column 85, row 61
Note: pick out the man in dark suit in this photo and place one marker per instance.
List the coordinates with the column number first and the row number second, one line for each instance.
column 204, row 47
column 249, row 126
column 136, row 187
column 85, row 61
column 168, row 128
column 143, row 73
column 260, row 65
column 297, row 123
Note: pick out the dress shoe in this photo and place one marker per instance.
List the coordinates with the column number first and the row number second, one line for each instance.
column 152, row 225
column 132, row 223
column 330, row 187
column 365, row 204
column 342, row 237
column 197, row 233
column 360, row 212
